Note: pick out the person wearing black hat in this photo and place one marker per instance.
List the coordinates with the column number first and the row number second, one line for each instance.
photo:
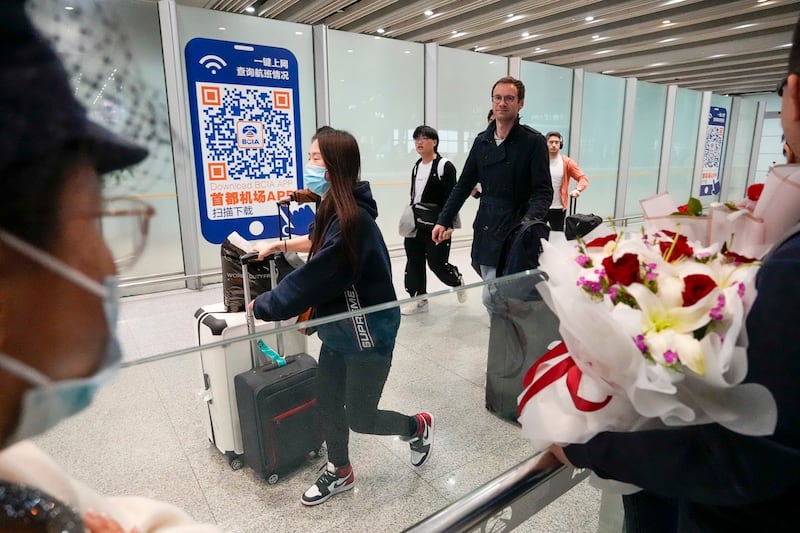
column 707, row 477
column 57, row 287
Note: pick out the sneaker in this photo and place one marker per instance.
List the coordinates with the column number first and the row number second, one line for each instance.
column 328, row 484
column 422, row 445
column 461, row 293
column 420, row 306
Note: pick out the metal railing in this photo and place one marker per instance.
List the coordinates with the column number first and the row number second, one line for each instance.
column 505, row 502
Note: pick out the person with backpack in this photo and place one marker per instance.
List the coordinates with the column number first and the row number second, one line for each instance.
column 432, row 179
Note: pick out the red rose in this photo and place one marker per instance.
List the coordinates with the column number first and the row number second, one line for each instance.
column 754, row 191
column 683, row 209
column 695, row 286
column 625, row 270
column 680, row 249
column 737, row 259
column 601, row 241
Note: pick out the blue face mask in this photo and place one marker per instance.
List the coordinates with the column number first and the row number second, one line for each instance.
column 315, row 179
column 49, row 402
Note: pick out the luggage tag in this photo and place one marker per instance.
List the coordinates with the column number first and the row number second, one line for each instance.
column 270, row 353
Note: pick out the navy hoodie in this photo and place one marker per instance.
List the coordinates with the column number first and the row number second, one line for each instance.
column 327, row 283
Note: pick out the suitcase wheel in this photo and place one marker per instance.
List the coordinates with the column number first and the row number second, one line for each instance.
column 321, row 452
column 236, row 463
column 272, row 479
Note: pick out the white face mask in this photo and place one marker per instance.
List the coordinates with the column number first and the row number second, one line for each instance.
column 49, row 402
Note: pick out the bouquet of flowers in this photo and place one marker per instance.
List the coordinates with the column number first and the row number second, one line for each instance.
column 652, row 329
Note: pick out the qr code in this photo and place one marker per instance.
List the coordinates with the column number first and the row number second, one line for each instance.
column 247, row 132
column 713, row 151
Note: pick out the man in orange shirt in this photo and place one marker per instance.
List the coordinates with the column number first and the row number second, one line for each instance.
column 562, row 169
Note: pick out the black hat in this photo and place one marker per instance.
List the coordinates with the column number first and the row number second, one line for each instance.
column 39, row 113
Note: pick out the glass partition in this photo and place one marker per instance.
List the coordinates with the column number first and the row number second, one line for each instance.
column 464, row 85
column 149, row 432
column 112, row 52
column 601, row 131
column 645, row 149
column 745, row 129
column 244, row 30
column 684, row 144
column 377, row 94
column 548, row 98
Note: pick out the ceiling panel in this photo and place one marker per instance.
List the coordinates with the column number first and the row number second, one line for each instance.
column 725, row 46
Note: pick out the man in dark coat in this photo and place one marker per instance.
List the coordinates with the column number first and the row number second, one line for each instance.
column 511, row 163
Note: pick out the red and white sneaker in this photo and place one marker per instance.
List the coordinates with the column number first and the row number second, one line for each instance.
column 331, row 482
column 422, row 443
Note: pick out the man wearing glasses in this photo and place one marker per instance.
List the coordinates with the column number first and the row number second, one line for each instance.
column 511, row 163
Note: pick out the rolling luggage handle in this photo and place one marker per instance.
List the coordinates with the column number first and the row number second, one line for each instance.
column 573, row 205
column 258, row 345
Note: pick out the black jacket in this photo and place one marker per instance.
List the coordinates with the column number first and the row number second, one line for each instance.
column 437, row 188
column 515, row 182
column 324, row 284
column 721, row 480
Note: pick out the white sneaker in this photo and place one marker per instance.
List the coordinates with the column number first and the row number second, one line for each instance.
column 462, row 293
column 420, row 306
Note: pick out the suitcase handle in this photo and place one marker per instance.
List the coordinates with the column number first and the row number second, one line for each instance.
column 573, row 205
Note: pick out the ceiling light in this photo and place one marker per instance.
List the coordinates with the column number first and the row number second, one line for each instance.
column 526, row 34
column 69, row 8
column 715, row 56
column 479, row 48
column 428, row 13
column 458, row 34
column 515, row 18
column 595, row 36
column 222, row 28
column 787, row 45
column 453, row 32
column 589, row 18
column 656, row 65
column 608, row 72
column 603, row 52
column 298, row 33
column 250, row 9
column 743, row 26
column 666, row 22
column 407, row 52
column 510, row 15
column 672, row 2
column 380, row 30
column 668, row 40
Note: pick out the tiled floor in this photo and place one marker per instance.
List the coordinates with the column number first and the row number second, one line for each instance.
column 144, row 434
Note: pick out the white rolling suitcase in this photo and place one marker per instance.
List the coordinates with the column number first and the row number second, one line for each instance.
column 221, row 364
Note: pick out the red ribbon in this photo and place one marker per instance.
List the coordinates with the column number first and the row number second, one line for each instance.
column 568, row 368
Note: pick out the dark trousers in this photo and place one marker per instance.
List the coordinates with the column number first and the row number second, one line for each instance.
column 646, row 512
column 418, row 249
column 555, row 218
column 349, row 387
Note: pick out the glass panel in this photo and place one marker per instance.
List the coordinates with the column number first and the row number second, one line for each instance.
column 741, row 151
column 684, row 144
column 601, row 130
column 296, row 38
column 377, row 94
column 112, row 52
column 648, row 132
column 462, row 112
column 771, row 146
column 439, row 364
column 548, row 102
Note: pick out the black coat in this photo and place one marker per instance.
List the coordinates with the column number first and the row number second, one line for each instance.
column 515, row 182
column 437, row 188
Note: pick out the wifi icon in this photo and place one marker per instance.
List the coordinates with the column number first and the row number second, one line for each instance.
column 212, row 63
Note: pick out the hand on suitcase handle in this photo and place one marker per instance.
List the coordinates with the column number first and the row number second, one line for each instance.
column 249, row 256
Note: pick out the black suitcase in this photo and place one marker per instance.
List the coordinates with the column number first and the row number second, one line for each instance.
column 278, row 415
column 522, row 328
column 577, row 225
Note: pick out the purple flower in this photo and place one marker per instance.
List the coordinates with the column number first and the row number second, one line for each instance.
column 740, row 290
column 638, row 340
column 583, row 260
column 612, row 292
column 670, row 357
column 716, row 312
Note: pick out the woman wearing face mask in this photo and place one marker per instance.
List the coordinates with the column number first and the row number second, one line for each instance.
column 57, row 289
column 348, row 269
column 314, row 181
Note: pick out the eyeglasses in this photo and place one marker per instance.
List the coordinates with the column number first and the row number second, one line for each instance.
column 125, row 222
column 781, row 85
column 509, row 98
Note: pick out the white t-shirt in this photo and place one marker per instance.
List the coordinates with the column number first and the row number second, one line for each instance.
column 423, row 173
column 557, row 175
